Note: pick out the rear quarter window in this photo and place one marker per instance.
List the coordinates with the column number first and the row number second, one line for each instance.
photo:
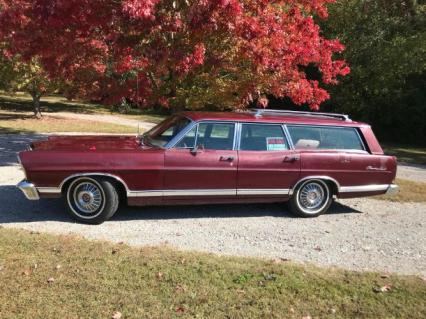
column 324, row 137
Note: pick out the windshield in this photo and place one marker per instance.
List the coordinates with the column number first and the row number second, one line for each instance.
column 164, row 132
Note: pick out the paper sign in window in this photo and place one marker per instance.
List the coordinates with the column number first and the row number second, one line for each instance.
column 275, row 144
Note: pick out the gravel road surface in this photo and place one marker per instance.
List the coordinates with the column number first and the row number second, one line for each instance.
column 361, row 234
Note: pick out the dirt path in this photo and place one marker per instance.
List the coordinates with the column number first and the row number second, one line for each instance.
column 412, row 172
column 106, row 119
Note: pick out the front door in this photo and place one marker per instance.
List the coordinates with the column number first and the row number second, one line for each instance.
column 267, row 166
column 203, row 165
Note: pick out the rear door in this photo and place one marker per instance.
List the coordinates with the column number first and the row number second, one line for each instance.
column 203, row 164
column 266, row 166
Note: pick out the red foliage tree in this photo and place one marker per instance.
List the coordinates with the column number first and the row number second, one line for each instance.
column 179, row 53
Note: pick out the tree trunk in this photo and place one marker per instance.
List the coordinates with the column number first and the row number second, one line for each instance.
column 36, row 105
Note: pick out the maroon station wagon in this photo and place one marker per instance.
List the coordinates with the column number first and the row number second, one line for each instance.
column 305, row 158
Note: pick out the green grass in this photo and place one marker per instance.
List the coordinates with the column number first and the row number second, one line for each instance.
column 406, row 153
column 410, row 191
column 21, row 102
column 95, row 279
column 14, row 122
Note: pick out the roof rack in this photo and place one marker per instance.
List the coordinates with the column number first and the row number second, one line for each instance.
column 259, row 112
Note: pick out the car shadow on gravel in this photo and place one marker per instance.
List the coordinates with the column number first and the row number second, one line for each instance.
column 15, row 208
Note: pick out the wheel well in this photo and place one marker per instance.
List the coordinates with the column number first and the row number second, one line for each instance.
column 121, row 189
column 330, row 183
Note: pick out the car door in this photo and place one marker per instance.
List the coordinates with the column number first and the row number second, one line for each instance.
column 266, row 164
column 203, row 164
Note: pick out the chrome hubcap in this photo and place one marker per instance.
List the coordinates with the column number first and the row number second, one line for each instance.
column 87, row 197
column 311, row 196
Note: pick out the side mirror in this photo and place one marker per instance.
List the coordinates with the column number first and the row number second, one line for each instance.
column 196, row 149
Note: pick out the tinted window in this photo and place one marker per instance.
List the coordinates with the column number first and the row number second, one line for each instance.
column 216, row 136
column 315, row 137
column 213, row 136
column 260, row 137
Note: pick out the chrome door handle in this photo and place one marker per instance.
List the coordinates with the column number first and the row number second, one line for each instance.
column 291, row 159
column 372, row 168
column 226, row 158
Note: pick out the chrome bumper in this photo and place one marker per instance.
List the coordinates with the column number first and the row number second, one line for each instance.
column 392, row 190
column 29, row 190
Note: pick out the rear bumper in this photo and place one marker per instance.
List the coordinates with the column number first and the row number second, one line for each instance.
column 393, row 189
column 29, row 190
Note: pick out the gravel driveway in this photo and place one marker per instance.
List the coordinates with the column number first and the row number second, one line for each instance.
column 361, row 234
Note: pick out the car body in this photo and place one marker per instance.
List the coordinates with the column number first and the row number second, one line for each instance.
column 213, row 157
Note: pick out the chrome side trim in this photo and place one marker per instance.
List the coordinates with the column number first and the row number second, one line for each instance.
column 29, row 190
column 152, row 193
column 327, row 178
column 49, row 190
column 364, row 188
column 263, row 191
column 118, row 179
column 185, row 192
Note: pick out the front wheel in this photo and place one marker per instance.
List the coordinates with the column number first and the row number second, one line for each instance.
column 91, row 200
column 312, row 198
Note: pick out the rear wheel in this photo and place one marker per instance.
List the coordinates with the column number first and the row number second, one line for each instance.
column 91, row 200
column 312, row 198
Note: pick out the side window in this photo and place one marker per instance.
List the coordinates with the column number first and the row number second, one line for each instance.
column 216, row 136
column 263, row 137
column 315, row 137
column 188, row 141
column 210, row 136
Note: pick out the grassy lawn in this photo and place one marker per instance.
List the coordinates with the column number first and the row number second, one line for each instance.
column 409, row 191
column 47, row 276
column 50, row 104
column 407, row 154
column 13, row 122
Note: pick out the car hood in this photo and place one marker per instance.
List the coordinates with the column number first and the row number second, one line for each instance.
column 89, row 143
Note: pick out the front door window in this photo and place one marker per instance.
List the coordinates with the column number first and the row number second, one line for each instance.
column 209, row 136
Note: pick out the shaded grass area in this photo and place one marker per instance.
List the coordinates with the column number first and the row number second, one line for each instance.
column 93, row 280
column 410, row 191
column 21, row 102
column 12, row 122
column 406, row 153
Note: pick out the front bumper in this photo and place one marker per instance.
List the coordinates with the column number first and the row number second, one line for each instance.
column 393, row 189
column 29, row 190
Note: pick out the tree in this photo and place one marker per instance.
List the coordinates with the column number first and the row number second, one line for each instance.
column 25, row 76
column 178, row 53
column 386, row 48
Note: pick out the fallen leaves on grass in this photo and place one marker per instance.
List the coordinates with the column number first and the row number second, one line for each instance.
column 116, row 315
column 385, row 288
column 180, row 309
column 26, row 272
column 180, row 288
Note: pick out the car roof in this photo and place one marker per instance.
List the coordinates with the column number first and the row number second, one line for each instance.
column 311, row 119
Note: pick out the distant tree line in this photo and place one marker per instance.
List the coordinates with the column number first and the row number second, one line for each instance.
column 386, row 49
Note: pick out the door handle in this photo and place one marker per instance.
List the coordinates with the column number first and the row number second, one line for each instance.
column 291, row 159
column 226, row 158
column 372, row 168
